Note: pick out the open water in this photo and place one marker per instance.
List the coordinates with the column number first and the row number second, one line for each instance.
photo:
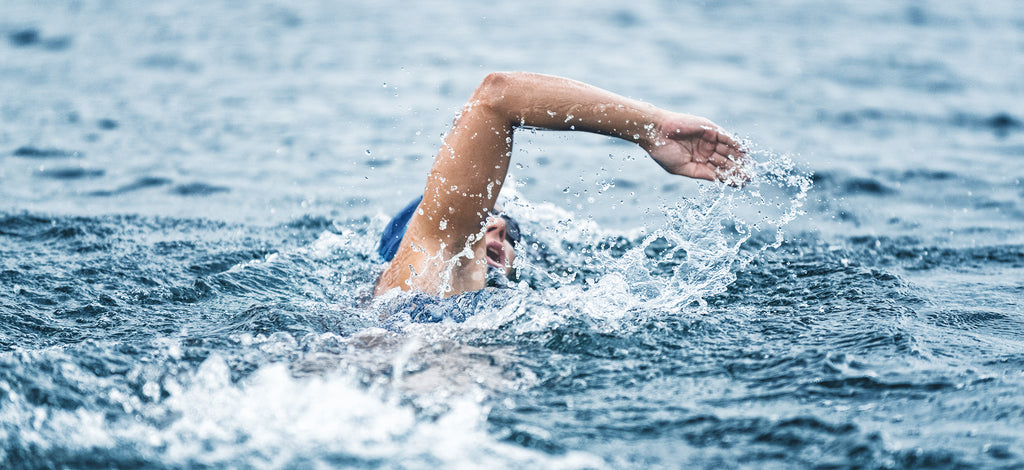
column 190, row 195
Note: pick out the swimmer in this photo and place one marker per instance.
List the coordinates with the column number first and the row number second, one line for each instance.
column 445, row 242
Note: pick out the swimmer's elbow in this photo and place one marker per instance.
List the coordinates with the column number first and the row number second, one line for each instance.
column 496, row 81
column 493, row 92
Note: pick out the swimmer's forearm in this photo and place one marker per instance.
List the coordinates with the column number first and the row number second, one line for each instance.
column 556, row 103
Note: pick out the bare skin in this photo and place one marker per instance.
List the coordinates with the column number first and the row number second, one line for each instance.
column 451, row 240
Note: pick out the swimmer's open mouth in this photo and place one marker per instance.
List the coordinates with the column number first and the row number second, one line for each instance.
column 495, row 255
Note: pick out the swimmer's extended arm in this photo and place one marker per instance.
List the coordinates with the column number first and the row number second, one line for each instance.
column 470, row 166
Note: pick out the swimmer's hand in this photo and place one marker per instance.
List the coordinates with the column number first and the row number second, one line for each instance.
column 698, row 148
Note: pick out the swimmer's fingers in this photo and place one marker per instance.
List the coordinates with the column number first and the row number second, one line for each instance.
column 734, row 171
column 723, row 155
column 736, row 176
column 695, row 147
column 728, row 145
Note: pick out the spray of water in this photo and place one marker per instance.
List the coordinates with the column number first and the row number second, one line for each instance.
column 674, row 267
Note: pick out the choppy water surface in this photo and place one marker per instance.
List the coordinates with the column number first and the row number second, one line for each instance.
column 191, row 194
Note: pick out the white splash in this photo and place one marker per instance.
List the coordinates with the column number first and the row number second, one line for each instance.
column 693, row 256
column 273, row 419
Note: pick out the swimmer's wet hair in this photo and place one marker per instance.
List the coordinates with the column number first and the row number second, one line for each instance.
column 391, row 239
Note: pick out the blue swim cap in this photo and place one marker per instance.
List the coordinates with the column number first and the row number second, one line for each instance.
column 391, row 239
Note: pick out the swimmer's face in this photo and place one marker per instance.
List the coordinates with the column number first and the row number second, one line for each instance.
column 500, row 237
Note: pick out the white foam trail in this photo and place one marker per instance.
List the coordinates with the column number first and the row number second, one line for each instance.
column 273, row 418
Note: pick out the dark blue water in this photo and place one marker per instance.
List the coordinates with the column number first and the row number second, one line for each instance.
column 190, row 196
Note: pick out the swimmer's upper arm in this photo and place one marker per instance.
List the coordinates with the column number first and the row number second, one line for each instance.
column 468, row 171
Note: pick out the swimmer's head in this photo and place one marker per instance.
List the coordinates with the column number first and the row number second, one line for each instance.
column 501, row 237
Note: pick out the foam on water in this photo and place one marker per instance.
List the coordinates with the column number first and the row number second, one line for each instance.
column 279, row 420
column 268, row 419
